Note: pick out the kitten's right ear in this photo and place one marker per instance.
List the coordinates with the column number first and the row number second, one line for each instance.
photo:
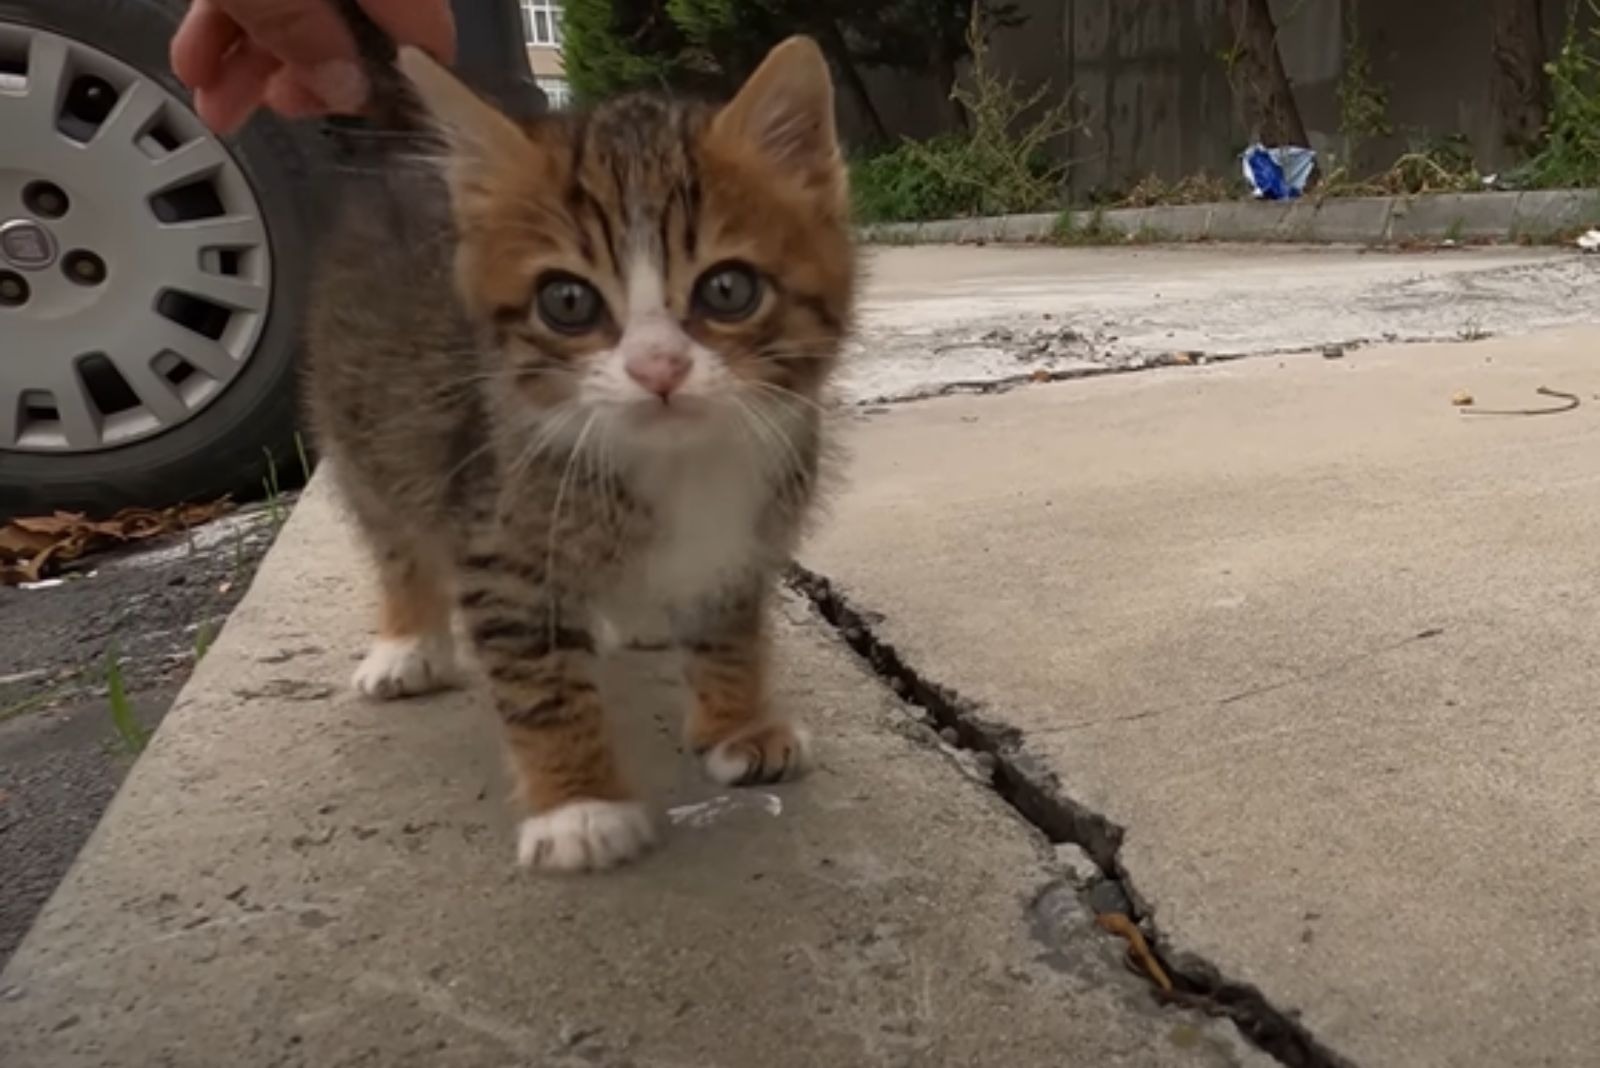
column 479, row 135
column 785, row 112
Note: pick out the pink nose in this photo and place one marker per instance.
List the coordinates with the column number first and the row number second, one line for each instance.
column 661, row 371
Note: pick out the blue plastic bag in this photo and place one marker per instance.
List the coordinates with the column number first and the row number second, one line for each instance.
column 1278, row 173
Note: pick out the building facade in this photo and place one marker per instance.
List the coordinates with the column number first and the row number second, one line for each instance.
column 541, row 29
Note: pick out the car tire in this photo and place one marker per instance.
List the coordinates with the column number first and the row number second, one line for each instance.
column 224, row 446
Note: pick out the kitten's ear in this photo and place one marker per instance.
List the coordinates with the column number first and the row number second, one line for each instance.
column 785, row 110
column 479, row 134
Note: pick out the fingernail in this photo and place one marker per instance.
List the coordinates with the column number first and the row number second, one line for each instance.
column 340, row 84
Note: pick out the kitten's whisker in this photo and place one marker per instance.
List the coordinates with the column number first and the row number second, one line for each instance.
column 612, row 486
column 547, row 435
column 797, row 465
column 555, row 520
column 785, row 458
column 787, row 395
column 770, row 460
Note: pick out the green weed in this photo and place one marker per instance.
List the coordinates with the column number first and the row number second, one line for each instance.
column 305, row 459
column 1363, row 103
column 1095, row 231
column 273, row 491
column 203, row 638
column 1571, row 153
column 130, row 731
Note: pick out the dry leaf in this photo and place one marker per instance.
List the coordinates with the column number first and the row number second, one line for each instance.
column 30, row 544
column 1139, row 953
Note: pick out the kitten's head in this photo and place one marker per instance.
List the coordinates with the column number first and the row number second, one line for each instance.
column 676, row 267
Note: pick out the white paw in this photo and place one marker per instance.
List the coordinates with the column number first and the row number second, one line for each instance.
column 401, row 667
column 585, row 836
column 767, row 752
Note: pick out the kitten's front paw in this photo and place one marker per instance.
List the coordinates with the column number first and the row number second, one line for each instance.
column 403, row 667
column 765, row 752
column 585, row 836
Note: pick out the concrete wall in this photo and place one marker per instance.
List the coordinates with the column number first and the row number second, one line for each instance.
column 1152, row 81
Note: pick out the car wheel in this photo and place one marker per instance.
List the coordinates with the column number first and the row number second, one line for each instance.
column 151, row 274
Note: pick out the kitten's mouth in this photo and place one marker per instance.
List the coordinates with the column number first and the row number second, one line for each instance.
column 654, row 412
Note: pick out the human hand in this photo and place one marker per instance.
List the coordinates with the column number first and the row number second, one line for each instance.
column 294, row 56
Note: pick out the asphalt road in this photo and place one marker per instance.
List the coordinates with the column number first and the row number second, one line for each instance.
column 61, row 757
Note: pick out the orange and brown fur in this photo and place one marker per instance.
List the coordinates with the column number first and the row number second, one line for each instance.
column 570, row 380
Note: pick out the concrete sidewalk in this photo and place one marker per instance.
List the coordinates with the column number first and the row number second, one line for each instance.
column 1325, row 647
column 291, row 877
column 936, row 320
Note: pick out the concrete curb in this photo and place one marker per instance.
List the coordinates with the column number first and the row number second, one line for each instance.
column 1535, row 216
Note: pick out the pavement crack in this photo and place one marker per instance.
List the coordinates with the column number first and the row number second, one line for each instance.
column 1249, row 692
column 1037, row 795
column 1332, row 669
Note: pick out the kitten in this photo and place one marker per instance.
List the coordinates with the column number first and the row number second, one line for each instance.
column 570, row 382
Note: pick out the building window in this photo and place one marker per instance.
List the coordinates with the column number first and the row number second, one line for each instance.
column 556, row 91
column 542, row 21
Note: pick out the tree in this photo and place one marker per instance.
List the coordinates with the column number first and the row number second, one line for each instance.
column 716, row 43
column 1519, row 88
column 627, row 44
column 1255, row 70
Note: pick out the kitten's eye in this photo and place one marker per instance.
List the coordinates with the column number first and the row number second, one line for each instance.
column 568, row 304
column 729, row 291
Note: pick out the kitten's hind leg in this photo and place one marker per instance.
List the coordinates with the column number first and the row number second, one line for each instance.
column 414, row 652
column 739, row 741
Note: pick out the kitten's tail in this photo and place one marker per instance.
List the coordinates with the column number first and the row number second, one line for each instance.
column 392, row 104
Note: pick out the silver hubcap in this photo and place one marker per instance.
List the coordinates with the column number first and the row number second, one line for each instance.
column 135, row 273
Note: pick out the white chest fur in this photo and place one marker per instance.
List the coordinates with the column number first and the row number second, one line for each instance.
column 706, row 508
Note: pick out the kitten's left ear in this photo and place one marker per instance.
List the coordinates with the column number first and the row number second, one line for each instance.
column 480, row 136
column 785, row 111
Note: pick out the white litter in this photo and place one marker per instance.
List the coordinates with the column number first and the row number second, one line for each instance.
column 1590, row 242
column 705, row 813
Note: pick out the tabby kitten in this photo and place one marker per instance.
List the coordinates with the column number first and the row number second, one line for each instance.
column 569, row 385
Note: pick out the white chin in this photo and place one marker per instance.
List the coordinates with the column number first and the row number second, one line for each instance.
column 688, row 420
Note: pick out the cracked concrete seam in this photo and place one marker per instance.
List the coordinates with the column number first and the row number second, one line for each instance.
column 1035, row 792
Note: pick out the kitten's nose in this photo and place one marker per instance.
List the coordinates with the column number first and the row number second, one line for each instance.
column 660, row 370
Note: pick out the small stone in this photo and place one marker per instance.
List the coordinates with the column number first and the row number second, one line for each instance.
column 1108, row 896
column 1080, row 867
column 949, row 736
column 1461, row 398
column 571, row 1036
column 1333, row 352
column 985, row 763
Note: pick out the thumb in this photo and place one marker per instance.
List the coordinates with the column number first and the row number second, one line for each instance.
column 308, row 36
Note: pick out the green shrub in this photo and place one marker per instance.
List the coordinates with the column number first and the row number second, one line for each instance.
column 1000, row 164
column 901, row 186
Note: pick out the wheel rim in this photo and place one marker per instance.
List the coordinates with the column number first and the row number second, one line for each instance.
column 135, row 269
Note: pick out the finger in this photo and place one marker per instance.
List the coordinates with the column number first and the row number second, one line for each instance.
column 227, row 102
column 204, row 37
column 310, row 36
column 288, row 97
column 428, row 24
